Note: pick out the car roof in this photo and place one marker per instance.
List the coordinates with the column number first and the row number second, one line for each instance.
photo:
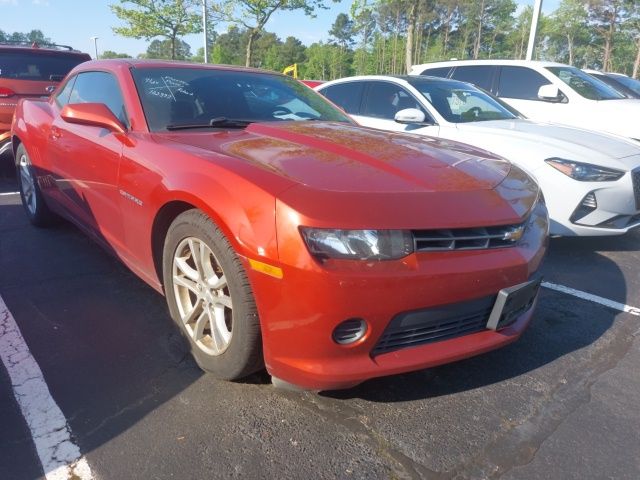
column 410, row 79
column 153, row 63
column 523, row 63
column 45, row 49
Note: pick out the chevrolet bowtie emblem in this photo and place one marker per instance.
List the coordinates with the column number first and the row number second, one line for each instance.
column 514, row 234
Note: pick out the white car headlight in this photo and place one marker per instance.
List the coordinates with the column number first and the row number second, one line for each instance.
column 585, row 172
column 358, row 244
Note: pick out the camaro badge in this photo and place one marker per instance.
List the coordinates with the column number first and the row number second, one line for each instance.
column 128, row 196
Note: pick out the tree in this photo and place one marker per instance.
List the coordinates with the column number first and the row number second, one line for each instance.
column 567, row 28
column 364, row 25
column 342, row 33
column 605, row 16
column 413, row 9
column 292, row 51
column 254, row 14
column 111, row 54
column 169, row 19
column 165, row 49
column 228, row 47
column 632, row 28
column 34, row 36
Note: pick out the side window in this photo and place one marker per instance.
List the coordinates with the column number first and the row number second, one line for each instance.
column 62, row 98
column 346, row 95
column 99, row 87
column 521, row 83
column 442, row 72
column 384, row 100
column 479, row 75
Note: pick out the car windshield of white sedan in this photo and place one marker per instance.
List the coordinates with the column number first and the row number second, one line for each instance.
column 584, row 84
column 182, row 98
column 459, row 103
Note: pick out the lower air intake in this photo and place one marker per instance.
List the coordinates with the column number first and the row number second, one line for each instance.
column 435, row 324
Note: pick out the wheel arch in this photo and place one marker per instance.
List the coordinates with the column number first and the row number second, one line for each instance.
column 160, row 227
column 165, row 216
column 16, row 141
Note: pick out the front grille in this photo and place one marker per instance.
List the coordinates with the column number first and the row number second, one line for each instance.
column 467, row 238
column 635, row 175
column 435, row 324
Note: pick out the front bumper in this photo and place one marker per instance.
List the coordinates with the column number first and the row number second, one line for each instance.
column 300, row 311
column 617, row 211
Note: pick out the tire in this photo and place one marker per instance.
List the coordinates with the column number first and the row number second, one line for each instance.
column 32, row 200
column 211, row 300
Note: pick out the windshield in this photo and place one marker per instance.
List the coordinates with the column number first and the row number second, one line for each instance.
column 174, row 97
column 37, row 67
column 584, row 84
column 630, row 83
column 459, row 102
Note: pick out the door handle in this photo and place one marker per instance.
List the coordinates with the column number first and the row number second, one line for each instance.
column 55, row 133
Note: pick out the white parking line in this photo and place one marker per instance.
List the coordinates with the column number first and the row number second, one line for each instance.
column 593, row 298
column 59, row 456
column 6, row 194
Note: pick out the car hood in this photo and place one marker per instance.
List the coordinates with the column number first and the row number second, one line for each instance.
column 551, row 140
column 616, row 116
column 347, row 158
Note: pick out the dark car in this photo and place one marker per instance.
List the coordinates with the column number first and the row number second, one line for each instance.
column 627, row 86
column 28, row 71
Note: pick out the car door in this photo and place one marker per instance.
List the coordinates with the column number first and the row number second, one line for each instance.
column 482, row 76
column 86, row 159
column 347, row 95
column 382, row 100
column 518, row 86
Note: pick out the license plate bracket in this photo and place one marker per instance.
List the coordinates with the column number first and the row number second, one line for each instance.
column 513, row 302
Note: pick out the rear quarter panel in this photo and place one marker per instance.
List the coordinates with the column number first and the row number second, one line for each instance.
column 31, row 126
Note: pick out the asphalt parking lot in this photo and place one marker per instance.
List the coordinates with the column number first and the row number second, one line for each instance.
column 560, row 403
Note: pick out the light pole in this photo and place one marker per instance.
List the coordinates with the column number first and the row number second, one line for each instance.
column 95, row 45
column 204, row 29
column 534, row 29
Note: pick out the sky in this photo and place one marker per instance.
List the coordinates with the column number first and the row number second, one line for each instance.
column 74, row 22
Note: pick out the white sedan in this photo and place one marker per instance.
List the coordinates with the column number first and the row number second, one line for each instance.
column 591, row 181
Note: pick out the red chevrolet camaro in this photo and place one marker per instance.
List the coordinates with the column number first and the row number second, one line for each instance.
column 283, row 235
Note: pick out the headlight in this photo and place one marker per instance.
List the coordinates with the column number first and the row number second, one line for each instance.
column 585, row 172
column 358, row 244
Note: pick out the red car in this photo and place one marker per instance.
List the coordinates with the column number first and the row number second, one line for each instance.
column 30, row 71
column 282, row 234
column 312, row 83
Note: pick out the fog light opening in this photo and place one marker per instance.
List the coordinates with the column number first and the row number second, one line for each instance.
column 349, row 331
column 588, row 205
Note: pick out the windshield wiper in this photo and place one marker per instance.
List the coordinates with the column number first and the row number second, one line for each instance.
column 217, row 122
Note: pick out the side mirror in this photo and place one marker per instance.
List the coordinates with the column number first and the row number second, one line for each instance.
column 409, row 116
column 549, row 93
column 92, row 114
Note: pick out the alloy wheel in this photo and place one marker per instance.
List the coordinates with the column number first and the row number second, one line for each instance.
column 28, row 185
column 202, row 296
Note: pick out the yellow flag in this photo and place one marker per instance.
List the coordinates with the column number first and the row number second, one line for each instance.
column 291, row 70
